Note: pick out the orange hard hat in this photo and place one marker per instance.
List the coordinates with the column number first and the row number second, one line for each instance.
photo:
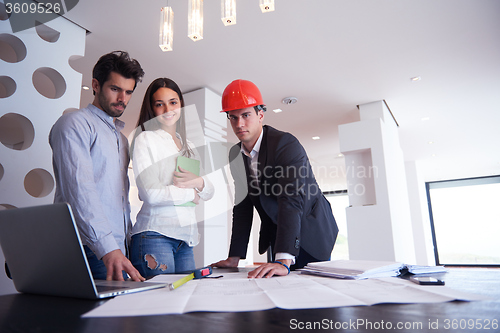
column 240, row 94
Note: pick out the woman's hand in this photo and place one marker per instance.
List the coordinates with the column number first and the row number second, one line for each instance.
column 186, row 179
column 196, row 199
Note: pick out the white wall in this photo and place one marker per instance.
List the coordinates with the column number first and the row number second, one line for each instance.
column 37, row 86
column 206, row 128
column 422, row 235
column 378, row 219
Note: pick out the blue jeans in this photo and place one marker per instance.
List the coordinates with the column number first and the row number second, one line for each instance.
column 152, row 253
column 97, row 266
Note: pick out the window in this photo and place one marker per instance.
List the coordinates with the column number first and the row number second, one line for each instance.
column 339, row 201
column 465, row 221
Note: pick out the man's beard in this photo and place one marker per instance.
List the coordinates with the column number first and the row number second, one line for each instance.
column 109, row 108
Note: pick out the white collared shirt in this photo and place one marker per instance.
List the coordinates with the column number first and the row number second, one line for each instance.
column 154, row 162
column 254, row 155
column 254, row 165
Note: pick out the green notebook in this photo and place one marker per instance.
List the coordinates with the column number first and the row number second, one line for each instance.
column 190, row 165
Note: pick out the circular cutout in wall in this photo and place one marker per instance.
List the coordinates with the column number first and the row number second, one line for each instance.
column 49, row 83
column 12, row 49
column 74, row 62
column 16, row 131
column 38, row 183
column 7, row 86
column 47, row 33
column 6, row 206
column 3, row 12
column 1, row 171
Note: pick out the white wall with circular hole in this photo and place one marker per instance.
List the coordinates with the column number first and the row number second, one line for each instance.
column 3, row 12
column 12, row 49
column 7, row 86
column 49, row 82
column 38, row 183
column 47, row 33
column 6, row 206
column 37, row 85
column 16, row 131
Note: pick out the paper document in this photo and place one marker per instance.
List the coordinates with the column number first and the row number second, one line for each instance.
column 417, row 269
column 235, row 292
column 190, row 165
column 363, row 269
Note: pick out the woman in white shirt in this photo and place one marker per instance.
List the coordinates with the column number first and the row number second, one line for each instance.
column 166, row 231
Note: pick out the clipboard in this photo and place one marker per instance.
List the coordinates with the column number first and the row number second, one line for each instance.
column 190, row 165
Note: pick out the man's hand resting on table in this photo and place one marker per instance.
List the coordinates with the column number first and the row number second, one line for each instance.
column 229, row 262
column 116, row 262
column 266, row 270
column 270, row 269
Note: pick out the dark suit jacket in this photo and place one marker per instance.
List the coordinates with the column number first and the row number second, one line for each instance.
column 293, row 211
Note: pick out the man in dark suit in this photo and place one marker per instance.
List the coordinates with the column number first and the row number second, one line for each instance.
column 271, row 172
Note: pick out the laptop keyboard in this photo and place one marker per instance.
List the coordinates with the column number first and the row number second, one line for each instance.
column 109, row 288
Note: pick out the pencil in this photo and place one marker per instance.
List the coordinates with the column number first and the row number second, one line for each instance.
column 180, row 282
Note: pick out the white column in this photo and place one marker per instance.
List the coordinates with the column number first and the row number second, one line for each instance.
column 378, row 218
column 422, row 235
column 206, row 128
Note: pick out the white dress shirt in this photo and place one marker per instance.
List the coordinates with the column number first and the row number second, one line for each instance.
column 154, row 162
column 254, row 164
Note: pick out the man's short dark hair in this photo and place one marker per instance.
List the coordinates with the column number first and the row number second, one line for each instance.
column 257, row 108
column 118, row 62
column 260, row 108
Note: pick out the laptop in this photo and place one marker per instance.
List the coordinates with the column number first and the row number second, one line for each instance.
column 44, row 253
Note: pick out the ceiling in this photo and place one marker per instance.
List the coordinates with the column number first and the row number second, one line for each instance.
column 332, row 55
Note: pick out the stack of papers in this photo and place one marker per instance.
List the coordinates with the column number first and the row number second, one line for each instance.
column 363, row 269
column 416, row 269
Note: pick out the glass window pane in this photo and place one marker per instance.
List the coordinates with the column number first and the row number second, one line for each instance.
column 339, row 203
column 466, row 222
